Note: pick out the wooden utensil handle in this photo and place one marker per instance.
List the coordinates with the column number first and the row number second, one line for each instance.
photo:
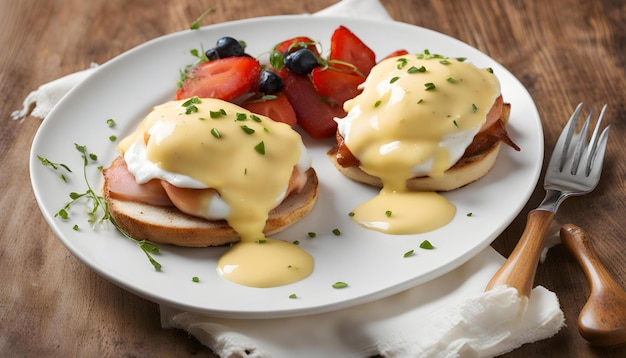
column 519, row 269
column 579, row 245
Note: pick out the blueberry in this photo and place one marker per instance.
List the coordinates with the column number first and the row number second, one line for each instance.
column 212, row 54
column 229, row 47
column 301, row 62
column 270, row 82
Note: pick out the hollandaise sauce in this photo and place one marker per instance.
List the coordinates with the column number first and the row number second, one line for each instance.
column 415, row 117
column 248, row 159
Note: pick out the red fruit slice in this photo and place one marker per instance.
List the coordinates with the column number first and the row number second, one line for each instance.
column 314, row 114
column 396, row 53
column 345, row 46
column 337, row 85
column 278, row 109
column 227, row 78
column 298, row 43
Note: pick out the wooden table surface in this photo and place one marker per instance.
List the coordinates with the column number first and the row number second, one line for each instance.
column 563, row 51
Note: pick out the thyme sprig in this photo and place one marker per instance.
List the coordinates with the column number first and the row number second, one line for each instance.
column 99, row 212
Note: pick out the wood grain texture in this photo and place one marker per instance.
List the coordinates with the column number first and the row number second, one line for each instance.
column 563, row 51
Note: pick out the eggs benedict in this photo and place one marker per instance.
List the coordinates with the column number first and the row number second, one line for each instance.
column 204, row 172
column 423, row 123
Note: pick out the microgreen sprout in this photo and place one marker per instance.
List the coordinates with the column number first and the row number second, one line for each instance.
column 196, row 24
column 55, row 166
column 99, row 212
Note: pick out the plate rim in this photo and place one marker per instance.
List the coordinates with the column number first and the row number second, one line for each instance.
column 265, row 314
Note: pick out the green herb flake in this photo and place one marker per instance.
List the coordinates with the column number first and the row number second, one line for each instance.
column 394, row 79
column 401, row 63
column 426, row 245
column 217, row 114
column 461, row 59
column 261, row 241
column 296, row 242
column 336, row 232
column 340, row 284
column 75, row 227
column 241, row 116
column 112, row 138
column 351, row 214
column 429, row 86
column 388, row 213
column 455, row 123
column 414, row 69
column 255, row 118
column 490, row 70
column 311, row 234
column 469, row 214
column 247, row 129
column 452, row 80
column 260, row 148
column 195, row 279
column 444, row 62
column 216, row 133
column 293, row 296
column 420, row 101
column 408, row 253
column 377, row 103
column 110, row 122
column 474, row 108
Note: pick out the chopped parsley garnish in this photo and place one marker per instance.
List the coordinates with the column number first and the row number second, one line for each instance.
column 195, row 279
column 110, row 122
column 474, row 108
column 312, row 234
column 394, row 79
column 216, row 133
column 340, row 284
column 388, row 213
column 217, row 114
column 414, row 69
column 260, row 148
column 426, row 245
column 336, row 232
column 429, row 86
column 247, row 129
column 408, row 253
column 293, row 295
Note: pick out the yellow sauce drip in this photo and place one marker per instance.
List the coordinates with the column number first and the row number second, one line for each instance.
column 415, row 116
column 218, row 145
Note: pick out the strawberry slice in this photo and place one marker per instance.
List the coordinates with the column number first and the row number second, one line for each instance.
column 314, row 114
column 227, row 78
column 396, row 53
column 345, row 46
column 336, row 85
column 278, row 109
column 296, row 43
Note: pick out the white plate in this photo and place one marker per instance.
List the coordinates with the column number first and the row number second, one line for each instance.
column 126, row 88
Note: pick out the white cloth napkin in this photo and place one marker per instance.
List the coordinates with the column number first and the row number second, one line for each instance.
column 450, row 316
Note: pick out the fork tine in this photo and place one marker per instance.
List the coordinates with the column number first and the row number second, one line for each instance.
column 566, row 136
column 594, row 163
column 593, row 144
column 581, row 139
